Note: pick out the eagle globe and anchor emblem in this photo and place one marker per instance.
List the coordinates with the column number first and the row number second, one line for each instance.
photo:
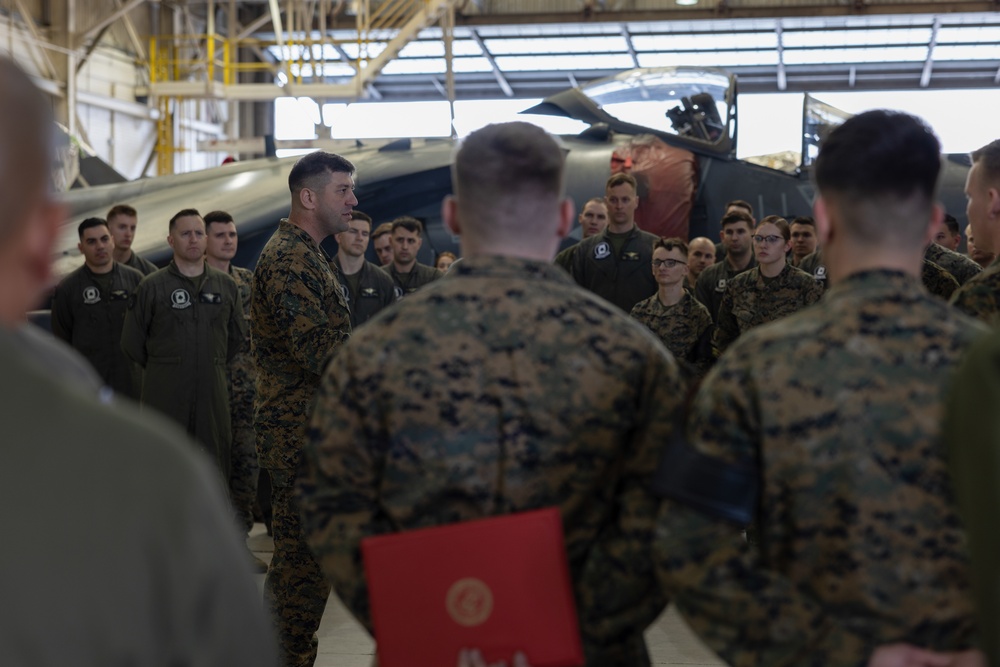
column 469, row 602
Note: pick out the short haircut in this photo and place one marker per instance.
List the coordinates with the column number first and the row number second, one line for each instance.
column 621, row 178
column 989, row 157
column 27, row 149
column 735, row 218
column 672, row 243
column 778, row 222
column 408, row 223
column 183, row 213
column 217, row 216
column 739, row 203
column 596, row 200
column 312, row 168
column 881, row 168
column 90, row 223
column 804, row 220
column 122, row 209
column 442, row 255
column 361, row 215
column 952, row 224
column 382, row 230
column 507, row 177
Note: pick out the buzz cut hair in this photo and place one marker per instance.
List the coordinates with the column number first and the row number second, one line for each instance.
column 989, row 157
column 672, row 243
column 621, row 178
column 217, row 216
column 739, row 203
column 361, row 215
column 952, row 224
column 382, row 230
column 90, row 223
column 880, row 168
column 804, row 220
column 736, row 217
column 122, row 209
column 409, row 223
column 596, row 200
column 183, row 213
column 314, row 167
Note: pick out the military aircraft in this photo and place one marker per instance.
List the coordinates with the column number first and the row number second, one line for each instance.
column 673, row 128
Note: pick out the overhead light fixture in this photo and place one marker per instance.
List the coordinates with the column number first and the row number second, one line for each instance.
column 686, row 3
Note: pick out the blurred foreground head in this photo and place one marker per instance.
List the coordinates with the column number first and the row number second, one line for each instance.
column 29, row 215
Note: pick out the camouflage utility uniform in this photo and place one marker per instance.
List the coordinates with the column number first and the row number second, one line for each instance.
column 501, row 388
column 835, row 412
column 938, row 282
column 243, row 476
column 88, row 311
column 980, row 297
column 184, row 331
column 408, row 283
column 751, row 299
column 299, row 318
column 712, row 282
column 625, row 277
column 685, row 328
column 957, row 264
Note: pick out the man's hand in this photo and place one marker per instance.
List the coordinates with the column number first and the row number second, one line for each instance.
column 473, row 658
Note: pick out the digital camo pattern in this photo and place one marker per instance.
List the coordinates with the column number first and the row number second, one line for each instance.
column 957, row 264
column 295, row 590
column 980, row 297
column 685, row 329
column 938, row 282
column 751, row 300
column 299, row 318
column 502, row 387
column 839, row 408
column 712, row 282
column 243, row 476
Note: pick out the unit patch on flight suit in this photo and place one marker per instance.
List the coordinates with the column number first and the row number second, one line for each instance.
column 180, row 299
column 721, row 285
column 602, row 250
column 91, row 295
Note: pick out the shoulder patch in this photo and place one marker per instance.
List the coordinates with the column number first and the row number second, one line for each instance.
column 180, row 299
column 91, row 295
column 602, row 250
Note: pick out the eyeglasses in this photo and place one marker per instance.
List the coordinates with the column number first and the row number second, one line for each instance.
column 770, row 239
column 669, row 263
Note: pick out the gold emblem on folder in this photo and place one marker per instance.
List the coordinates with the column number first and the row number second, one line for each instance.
column 469, row 602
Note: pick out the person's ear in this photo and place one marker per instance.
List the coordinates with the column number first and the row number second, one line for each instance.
column 566, row 211
column 449, row 213
column 822, row 216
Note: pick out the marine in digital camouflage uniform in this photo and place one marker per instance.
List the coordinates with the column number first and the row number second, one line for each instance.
column 222, row 244
column 500, row 388
column 938, row 282
column 751, row 300
column 711, row 286
column 829, row 422
column 957, row 264
column 684, row 326
column 980, row 297
column 299, row 319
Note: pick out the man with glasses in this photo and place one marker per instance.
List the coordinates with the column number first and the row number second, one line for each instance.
column 366, row 287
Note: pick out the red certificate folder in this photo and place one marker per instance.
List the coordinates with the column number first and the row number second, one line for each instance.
column 500, row 585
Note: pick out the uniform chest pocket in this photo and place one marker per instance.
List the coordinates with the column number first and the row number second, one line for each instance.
column 746, row 314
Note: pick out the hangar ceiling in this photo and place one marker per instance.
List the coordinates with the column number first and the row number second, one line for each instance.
column 522, row 48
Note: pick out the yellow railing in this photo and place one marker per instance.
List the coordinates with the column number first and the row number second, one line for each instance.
column 181, row 57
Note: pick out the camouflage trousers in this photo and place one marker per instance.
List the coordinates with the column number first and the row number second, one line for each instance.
column 295, row 590
column 243, row 470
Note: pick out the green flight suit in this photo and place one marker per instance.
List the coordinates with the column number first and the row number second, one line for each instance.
column 184, row 331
